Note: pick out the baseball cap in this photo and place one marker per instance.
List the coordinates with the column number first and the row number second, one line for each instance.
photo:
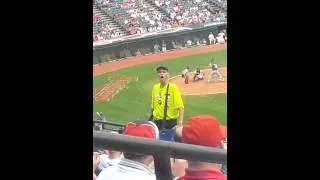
column 202, row 130
column 146, row 129
column 162, row 68
column 223, row 130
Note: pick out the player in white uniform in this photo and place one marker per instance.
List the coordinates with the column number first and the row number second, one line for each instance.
column 184, row 72
column 185, row 75
column 214, row 71
column 220, row 37
column 211, row 38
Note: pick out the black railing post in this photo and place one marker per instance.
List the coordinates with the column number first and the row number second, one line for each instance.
column 162, row 166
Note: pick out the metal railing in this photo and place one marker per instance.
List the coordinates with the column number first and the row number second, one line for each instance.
column 110, row 123
column 118, row 126
column 161, row 150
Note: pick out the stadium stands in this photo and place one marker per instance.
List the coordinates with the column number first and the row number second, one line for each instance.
column 116, row 18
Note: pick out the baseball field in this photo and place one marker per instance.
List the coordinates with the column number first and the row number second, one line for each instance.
column 122, row 89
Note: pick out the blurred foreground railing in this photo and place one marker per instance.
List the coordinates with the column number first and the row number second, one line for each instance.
column 161, row 150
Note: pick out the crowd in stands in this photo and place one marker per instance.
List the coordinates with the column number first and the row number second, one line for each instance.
column 135, row 16
column 201, row 130
column 102, row 30
column 222, row 3
column 219, row 9
column 139, row 17
column 189, row 13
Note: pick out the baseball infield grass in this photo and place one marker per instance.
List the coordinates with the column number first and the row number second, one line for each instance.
column 134, row 102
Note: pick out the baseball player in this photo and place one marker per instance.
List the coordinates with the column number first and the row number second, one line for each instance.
column 214, row 71
column 211, row 38
column 198, row 75
column 185, row 75
column 221, row 37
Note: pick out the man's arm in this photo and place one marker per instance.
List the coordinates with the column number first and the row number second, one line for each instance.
column 180, row 119
column 151, row 105
column 151, row 115
column 178, row 104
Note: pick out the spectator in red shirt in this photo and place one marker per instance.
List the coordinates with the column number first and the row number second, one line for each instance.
column 203, row 130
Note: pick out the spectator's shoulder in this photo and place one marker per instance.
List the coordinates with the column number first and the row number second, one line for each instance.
column 105, row 173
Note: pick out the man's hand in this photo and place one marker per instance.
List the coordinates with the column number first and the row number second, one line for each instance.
column 178, row 132
column 180, row 119
column 96, row 160
column 179, row 123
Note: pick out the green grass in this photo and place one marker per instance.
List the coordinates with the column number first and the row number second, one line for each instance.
column 134, row 102
column 215, row 105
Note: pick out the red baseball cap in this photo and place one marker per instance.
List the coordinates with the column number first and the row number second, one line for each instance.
column 202, row 130
column 146, row 129
column 223, row 130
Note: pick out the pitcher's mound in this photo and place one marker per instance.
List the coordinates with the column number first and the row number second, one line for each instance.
column 202, row 87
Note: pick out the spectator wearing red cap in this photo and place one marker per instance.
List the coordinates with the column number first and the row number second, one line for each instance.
column 203, row 130
column 134, row 166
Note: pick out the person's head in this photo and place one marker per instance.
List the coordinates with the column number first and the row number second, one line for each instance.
column 163, row 74
column 187, row 67
column 146, row 129
column 112, row 153
column 204, row 130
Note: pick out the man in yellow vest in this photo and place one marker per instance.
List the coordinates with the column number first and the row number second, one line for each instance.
column 175, row 108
